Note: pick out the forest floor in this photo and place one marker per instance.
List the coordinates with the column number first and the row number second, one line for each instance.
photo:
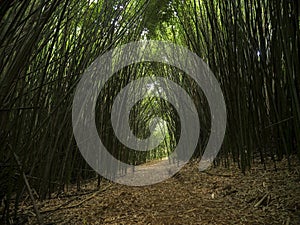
column 217, row 196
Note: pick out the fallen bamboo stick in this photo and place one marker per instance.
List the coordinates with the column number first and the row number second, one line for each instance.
column 37, row 212
column 261, row 200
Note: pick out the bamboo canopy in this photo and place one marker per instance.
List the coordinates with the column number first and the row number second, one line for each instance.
column 251, row 46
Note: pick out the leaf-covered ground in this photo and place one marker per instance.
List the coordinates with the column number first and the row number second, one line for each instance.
column 218, row 196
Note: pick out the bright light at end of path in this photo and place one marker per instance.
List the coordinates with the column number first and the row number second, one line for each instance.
column 103, row 68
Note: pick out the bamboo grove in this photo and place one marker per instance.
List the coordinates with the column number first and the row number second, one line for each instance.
column 252, row 46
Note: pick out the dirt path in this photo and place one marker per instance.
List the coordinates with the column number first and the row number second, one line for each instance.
column 221, row 196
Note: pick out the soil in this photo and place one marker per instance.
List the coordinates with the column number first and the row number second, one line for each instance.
column 217, row 196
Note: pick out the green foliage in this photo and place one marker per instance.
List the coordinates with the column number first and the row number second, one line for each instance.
column 156, row 13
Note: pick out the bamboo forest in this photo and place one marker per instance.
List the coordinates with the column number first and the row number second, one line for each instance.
column 150, row 112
